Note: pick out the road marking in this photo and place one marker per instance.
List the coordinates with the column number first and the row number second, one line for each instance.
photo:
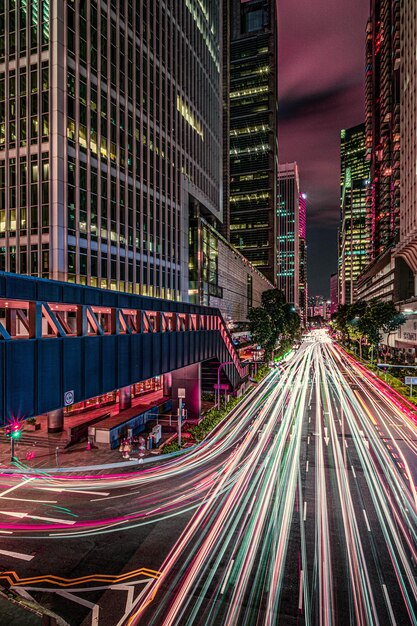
column 307, row 466
column 391, row 612
column 16, row 486
column 226, row 577
column 366, row 520
column 95, row 608
column 353, row 471
column 122, row 495
column 300, row 593
column 60, row 490
column 30, row 500
column 346, row 444
column 17, row 555
column 43, row 519
column 6, row 532
column 305, row 511
column 308, row 440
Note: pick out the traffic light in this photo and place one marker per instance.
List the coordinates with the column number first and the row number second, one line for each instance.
column 16, row 431
column 13, row 431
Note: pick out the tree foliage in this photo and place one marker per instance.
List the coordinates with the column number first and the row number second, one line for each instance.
column 273, row 321
column 366, row 321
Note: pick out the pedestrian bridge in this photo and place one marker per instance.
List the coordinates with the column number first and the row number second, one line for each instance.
column 57, row 337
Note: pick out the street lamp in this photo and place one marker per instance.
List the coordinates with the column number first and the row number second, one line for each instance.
column 218, row 380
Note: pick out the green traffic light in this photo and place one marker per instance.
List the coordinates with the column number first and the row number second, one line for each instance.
column 16, row 434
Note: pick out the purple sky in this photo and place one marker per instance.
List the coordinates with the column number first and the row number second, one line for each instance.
column 321, row 86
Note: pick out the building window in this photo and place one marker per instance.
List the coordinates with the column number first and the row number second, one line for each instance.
column 253, row 21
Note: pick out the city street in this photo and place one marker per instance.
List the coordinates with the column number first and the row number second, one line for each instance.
column 300, row 509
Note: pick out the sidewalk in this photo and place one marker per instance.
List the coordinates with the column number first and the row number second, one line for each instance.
column 40, row 449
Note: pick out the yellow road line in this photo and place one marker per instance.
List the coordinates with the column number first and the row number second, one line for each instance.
column 14, row 580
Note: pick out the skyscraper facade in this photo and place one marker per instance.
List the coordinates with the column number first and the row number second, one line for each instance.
column 334, row 293
column 251, row 59
column 110, row 137
column 383, row 124
column 303, row 297
column 407, row 247
column 288, row 241
column 354, row 236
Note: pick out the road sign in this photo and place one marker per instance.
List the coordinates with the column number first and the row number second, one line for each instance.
column 411, row 380
column 69, row 398
column 181, row 392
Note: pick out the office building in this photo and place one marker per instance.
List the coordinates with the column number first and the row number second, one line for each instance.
column 288, row 241
column 383, row 124
column 250, row 52
column 110, row 138
column 334, row 293
column 406, row 250
column 354, row 234
column 303, row 288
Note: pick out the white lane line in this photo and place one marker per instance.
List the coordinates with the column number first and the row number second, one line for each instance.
column 6, row 532
column 17, row 555
column 305, row 511
column 226, row 577
column 307, row 466
column 300, row 593
column 4, row 493
column 308, row 440
column 53, row 519
column 346, row 444
column 30, row 500
column 353, row 471
column 43, row 519
column 61, row 490
column 122, row 495
column 366, row 520
column 391, row 612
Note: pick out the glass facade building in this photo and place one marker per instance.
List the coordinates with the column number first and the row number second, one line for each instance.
column 288, row 242
column 250, row 53
column 354, row 236
column 303, row 279
column 110, row 134
column 383, row 124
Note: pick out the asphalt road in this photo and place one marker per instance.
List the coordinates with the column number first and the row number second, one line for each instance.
column 300, row 509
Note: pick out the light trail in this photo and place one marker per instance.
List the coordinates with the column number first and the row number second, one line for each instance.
column 262, row 516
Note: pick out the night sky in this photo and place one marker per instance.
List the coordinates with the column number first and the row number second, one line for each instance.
column 321, row 86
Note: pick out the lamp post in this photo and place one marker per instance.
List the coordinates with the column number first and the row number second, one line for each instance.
column 218, row 380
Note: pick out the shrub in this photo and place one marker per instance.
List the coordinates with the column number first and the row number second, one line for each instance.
column 171, row 447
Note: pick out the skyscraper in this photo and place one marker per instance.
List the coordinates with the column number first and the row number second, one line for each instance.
column 383, row 124
column 110, row 137
column 354, row 233
column 334, row 293
column 288, row 241
column 406, row 251
column 251, row 59
column 303, row 288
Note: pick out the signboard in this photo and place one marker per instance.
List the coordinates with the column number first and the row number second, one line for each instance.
column 181, row 393
column 157, row 433
column 68, row 398
column 411, row 380
column 222, row 387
